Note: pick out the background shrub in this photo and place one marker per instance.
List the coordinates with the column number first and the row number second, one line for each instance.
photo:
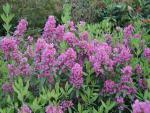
column 35, row 11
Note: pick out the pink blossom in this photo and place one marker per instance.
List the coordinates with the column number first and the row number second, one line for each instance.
column 72, row 26
column 24, row 67
column 8, row 87
column 137, row 36
column 13, row 70
column 122, row 55
column 21, row 28
column 30, row 39
column 49, row 28
column 128, row 31
column 53, row 109
column 141, row 107
column 24, row 109
column 138, row 69
column 84, row 36
column 71, row 39
column 48, row 60
column 127, row 70
column 67, row 59
column 60, row 31
column 8, row 44
column 100, row 57
column 109, row 87
column 40, row 46
column 147, row 53
column 66, row 104
column 76, row 77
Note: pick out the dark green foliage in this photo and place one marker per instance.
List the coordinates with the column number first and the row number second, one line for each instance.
column 86, row 11
column 35, row 11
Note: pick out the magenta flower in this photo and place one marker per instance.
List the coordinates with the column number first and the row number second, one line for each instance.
column 17, row 55
column 48, row 60
column 126, row 83
column 8, row 44
column 48, row 55
column 109, row 87
column 128, row 31
column 21, row 28
column 13, row 70
column 30, row 39
column 8, row 87
column 84, row 36
column 60, row 31
column 53, row 109
column 122, row 54
column 142, row 83
column 72, row 26
column 49, row 28
column 141, row 107
column 29, row 52
column 120, row 100
column 76, row 78
column 24, row 109
column 40, row 46
column 45, row 60
column 138, row 69
column 67, row 59
column 71, row 39
column 66, row 104
column 137, row 36
column 82, row 23
column 127, row 70
column 147, row 53
column 101, row 57
column 24, row 67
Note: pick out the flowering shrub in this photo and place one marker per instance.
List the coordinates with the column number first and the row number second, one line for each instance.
column 65, row 70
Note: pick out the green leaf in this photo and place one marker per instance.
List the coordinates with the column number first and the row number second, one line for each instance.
column 6, row 8
column 4, row 18
column 35, row 105
column 103, row 104
column 79, row 108
column 135, row 42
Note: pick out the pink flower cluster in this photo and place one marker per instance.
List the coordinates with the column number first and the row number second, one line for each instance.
column 147, row 53
column 66, row 104
column 8, row 45
column 48, row 62
column 39, row 48
column 52, row 33
column 49, row 28
column 71, row 39
column 122, row 54
column 21, row 28
column 53, row 109
column 45, row 60
column 126, row 83
column 141, row 107
column 76, row 77
column 24, row 109
column 12, row 52
column 67, row 59
column 128, row 31
column 101, row 58
column 7, row 88
column 109, row 87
